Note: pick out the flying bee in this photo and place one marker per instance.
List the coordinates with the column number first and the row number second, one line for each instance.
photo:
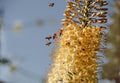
column 49, row 37
column 51, row 4
column 60, row 32
column 48, row 44
column 54, row 36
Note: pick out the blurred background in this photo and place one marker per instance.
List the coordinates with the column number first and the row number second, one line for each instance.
column 24, row 24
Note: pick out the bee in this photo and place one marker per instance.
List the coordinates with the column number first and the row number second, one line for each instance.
column 48, row 44
column 49, row 37
column 51, row 4
column 54, row 36
column 60, row 32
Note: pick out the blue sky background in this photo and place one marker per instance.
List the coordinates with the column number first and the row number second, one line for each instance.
column 26, row 48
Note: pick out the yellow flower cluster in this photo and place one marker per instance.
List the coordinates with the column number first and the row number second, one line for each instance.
column 75, row 58
column 85, row 12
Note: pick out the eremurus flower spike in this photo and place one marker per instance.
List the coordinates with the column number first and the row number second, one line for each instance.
column 83, row 12
column 74, row 58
